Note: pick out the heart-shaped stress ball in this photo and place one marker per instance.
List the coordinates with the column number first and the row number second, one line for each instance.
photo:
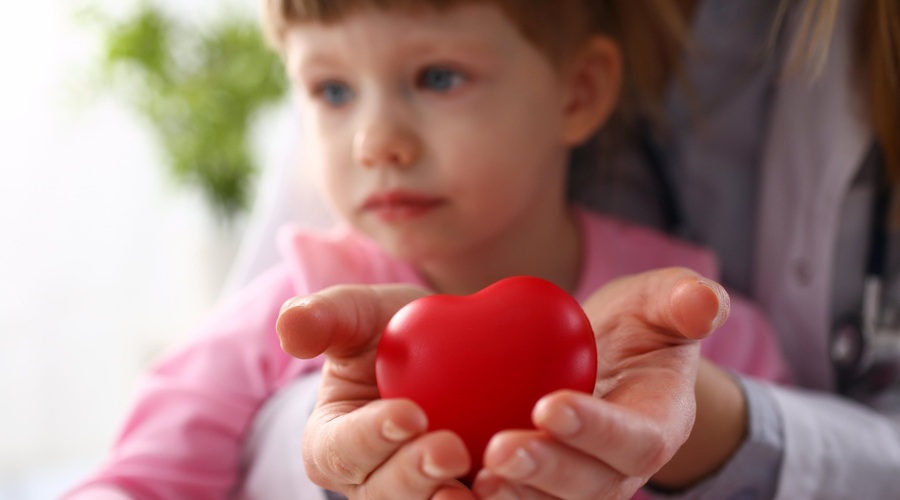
column 477, row 364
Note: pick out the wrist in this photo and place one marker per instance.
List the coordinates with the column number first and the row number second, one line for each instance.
column 720, row 428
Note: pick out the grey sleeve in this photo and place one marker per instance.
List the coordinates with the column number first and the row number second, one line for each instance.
column 836, row 448
column 808, row 444
column 753, row 471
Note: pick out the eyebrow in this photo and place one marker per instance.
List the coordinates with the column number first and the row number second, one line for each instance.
column 297, row 65
column 472, row 48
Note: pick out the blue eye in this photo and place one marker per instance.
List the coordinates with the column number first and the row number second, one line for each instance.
column 439, row 79
column 335, row 94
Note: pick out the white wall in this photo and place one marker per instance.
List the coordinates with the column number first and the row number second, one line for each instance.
column 103, row 262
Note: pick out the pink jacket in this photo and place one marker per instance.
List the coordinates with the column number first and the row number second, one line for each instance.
column 184, row 435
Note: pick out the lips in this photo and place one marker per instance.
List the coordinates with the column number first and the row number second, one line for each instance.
column 398, row 205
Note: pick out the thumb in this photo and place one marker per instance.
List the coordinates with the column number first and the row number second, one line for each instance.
column 698, row 306
column 340, row 321
column 676, row 300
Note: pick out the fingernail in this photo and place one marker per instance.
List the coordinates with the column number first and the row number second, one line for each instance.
column 518, row 466
column 295, row 301
column 724, row 302
column 433, row 470
column 393, row 432
column 563, row 422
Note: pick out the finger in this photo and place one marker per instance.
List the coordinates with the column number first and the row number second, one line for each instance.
column 341, row 320
column 345, row 450
column 558, row 473
column 421, row 468
column 489, row 486
column 698, row 307
column 672, row 299
column 454, row 491
column 630, row 442
column 527, row 458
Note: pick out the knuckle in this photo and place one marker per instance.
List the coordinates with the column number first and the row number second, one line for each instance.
column 327, row 467
column 340, row 467
column 318, row 475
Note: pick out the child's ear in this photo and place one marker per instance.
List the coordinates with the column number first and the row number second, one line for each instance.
column 593, row 82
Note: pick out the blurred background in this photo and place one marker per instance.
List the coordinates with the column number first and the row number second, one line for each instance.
column 116, row 236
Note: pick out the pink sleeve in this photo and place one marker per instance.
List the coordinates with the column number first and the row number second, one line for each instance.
column 183, row 436
column 746, row 343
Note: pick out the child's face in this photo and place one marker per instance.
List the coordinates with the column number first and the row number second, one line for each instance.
column 438, row 134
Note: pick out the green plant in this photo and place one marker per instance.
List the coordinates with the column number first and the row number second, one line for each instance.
column 200, row 88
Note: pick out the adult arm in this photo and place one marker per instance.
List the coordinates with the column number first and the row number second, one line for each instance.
column 799, row 444
column 645, row 325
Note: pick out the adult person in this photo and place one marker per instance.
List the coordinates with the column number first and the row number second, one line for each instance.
column 776, row 156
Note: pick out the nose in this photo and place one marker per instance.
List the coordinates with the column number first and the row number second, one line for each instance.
column 385, row 140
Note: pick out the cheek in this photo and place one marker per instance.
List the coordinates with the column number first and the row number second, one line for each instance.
column 327, row 133
column 336, row 185
column 329, row 167
column 509, row 153
column 476, row 166
column 507, row 133
column 495, row 179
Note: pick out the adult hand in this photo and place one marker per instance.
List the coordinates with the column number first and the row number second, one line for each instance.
column 355, row 443
column 601, row 446
column 607, row 445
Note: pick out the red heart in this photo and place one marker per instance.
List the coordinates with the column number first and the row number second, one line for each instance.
column 478, row 364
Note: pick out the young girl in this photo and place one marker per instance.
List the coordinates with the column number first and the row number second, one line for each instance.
column 441, row 134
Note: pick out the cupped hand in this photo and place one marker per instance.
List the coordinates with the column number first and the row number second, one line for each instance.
column 607, row 445
column 355, row 443
column 604, row 445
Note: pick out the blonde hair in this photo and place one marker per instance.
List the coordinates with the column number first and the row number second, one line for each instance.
column 876, row 50
column 554, row 26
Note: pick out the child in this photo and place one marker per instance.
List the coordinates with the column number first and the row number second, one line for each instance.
column 441, row 134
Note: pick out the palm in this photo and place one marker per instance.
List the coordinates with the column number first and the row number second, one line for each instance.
column 647, row 358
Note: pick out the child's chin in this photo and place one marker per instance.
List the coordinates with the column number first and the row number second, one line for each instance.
column 416, row 251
